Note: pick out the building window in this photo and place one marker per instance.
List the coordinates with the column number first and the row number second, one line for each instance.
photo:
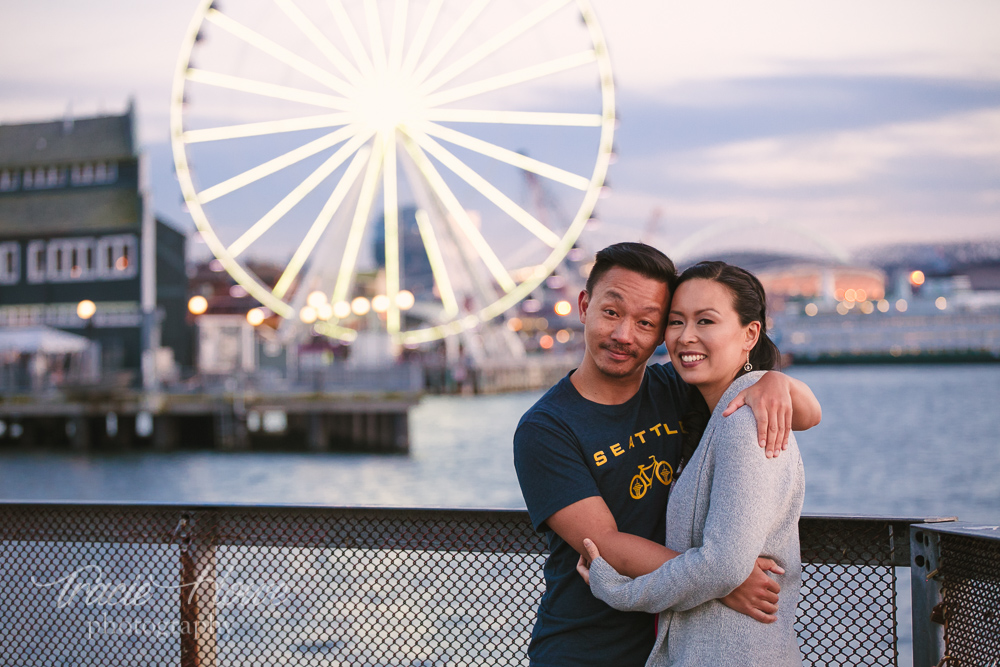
column 36, row 262
column 67, row 259
column 91, row 173
column 43, row 178
column 8, row 180
column 55, row 263
column 10, row 263
column 116, row 256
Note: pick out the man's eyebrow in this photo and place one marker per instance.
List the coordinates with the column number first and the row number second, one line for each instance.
column 617, row 296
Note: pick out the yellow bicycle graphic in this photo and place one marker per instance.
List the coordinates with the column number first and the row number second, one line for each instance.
column 641, row 482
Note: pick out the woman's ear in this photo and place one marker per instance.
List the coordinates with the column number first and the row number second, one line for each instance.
column 752, row 333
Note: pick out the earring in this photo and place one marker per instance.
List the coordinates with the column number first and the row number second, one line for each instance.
column 748, row 366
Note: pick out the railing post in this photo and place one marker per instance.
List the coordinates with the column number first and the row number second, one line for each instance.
column 198, row 629
column 925, row 591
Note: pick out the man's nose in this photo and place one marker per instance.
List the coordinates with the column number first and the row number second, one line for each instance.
column 624, row 332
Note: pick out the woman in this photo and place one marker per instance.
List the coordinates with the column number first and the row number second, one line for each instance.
column 730, row 503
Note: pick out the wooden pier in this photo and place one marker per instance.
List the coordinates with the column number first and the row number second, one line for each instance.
column 368, row 421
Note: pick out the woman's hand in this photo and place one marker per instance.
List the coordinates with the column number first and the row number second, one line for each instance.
column 583, row 565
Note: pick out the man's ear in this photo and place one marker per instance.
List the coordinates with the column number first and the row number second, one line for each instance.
column 583, row 302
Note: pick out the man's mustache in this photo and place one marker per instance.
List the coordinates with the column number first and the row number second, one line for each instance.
column 619, row 349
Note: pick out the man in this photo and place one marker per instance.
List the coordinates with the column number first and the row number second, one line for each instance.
column 596, row 455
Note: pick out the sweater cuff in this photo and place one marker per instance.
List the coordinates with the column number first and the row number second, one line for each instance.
column 604, row 580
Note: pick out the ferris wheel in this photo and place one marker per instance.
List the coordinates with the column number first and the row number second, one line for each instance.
column 374, row 152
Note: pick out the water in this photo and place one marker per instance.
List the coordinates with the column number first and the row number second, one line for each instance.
column 895, row 440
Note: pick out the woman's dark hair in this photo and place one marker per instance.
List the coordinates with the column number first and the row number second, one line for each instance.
column 750, row 304
column 645, row 260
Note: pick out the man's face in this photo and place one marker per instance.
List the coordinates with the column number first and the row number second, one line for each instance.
column 623, row 321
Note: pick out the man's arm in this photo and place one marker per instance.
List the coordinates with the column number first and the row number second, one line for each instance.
column 635, row 556
column 631, row 555
column 748, row 499
column 781, row 404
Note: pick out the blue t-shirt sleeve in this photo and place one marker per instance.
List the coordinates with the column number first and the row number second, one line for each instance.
column 550, row 469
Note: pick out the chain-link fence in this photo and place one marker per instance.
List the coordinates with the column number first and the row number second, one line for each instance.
column 207, row 586
column 956, row 570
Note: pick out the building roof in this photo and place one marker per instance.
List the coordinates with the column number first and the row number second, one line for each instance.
column 68, row 211
column 67, row 140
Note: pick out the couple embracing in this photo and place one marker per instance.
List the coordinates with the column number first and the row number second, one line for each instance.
column 632, row 579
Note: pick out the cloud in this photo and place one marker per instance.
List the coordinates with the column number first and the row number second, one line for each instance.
column 840, row 158
column 927, row 180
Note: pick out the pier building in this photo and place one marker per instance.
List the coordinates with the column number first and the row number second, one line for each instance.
column 81, row 249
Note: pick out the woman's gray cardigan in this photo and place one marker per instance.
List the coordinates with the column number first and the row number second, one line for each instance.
column 730, row 505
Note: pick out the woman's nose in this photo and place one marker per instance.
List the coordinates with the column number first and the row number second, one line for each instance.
column 687, row 334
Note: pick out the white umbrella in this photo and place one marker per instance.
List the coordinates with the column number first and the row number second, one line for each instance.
column 41, row 339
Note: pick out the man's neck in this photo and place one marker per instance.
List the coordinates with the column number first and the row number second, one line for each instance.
column 598, row 387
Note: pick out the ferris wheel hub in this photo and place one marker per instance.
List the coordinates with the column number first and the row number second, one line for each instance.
column 388, row 101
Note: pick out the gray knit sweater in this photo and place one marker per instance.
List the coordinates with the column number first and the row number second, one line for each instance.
column 730, row 505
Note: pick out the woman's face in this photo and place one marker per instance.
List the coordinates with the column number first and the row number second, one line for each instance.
column 706, row 341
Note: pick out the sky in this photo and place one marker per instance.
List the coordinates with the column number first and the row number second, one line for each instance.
column 860, row 122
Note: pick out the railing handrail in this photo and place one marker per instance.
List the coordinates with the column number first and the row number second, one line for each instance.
column 215, row 505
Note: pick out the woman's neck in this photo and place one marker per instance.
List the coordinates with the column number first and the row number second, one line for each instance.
column 712, row 393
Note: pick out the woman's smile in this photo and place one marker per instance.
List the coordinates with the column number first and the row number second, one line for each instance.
column 691, row 359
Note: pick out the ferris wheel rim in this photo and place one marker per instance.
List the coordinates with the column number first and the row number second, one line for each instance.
column 512, row 295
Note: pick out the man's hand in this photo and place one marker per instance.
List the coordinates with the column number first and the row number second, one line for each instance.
column 771, row 401
column 757, row 597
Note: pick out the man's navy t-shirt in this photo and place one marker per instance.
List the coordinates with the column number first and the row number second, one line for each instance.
column 567, row 448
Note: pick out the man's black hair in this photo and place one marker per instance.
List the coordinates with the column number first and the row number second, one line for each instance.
column 645, row 260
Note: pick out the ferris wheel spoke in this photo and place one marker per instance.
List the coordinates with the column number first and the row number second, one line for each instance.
column 267, row 89
column 278, row 52
column 514, row 117
column 375, row 38
column 420, row 37
column 391, row 213
column 445, row 45
column 504, row 155
column 267, row 127
column 491, row 192
column 350, row 36
column 321, row 222
column 491, row 45
column 361, row 214
column 398, row 35
column 277, row 164
column 296, row 195
column 426, row 201
column 461, row 217
column 438, row 267
column 512, row 78
column 326, row 47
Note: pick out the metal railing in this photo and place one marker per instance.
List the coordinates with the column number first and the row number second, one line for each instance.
column 95, row 584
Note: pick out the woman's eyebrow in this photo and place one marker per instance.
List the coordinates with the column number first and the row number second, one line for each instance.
column 697, row 312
